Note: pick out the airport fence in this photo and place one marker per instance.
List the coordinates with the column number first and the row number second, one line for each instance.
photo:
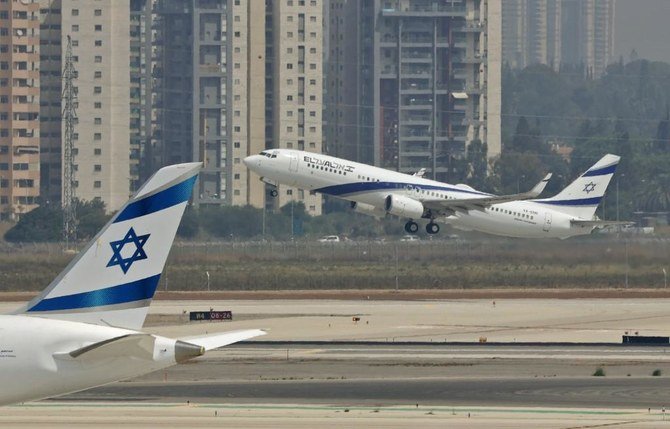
column 590, row 262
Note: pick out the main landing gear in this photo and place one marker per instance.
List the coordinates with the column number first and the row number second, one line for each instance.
column 432, row 228
column 411, row 227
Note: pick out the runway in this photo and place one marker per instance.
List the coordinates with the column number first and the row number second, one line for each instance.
column 535, row 392
column 476, row 375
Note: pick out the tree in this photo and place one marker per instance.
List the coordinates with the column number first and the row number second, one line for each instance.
column 45, row 223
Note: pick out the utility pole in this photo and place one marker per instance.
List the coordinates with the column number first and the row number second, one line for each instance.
column 69, row 117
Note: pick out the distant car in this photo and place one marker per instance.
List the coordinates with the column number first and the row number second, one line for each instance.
column 410, row 238
column 329, row 239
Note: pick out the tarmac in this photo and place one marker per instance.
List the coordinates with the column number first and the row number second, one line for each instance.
column 280, row 384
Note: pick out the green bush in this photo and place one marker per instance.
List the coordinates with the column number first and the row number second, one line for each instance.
column 600, row 372
column 657, row 373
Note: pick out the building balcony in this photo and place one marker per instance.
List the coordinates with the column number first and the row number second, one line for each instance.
column 426, row 9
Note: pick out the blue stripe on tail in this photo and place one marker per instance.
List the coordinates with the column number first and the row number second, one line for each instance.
column 166, row 198
column 138, row 290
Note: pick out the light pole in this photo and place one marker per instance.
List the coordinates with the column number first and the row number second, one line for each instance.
column 665, row 278
column 207, row 274
column 617, row 197
column 626, row 248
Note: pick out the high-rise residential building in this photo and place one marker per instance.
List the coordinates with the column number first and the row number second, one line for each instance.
column 99, row 34
column 559, row 33
column 296, row 65
column 423, row 77
column 201, row 94
column 588, row 35
column 19, row 107
column 531, row 32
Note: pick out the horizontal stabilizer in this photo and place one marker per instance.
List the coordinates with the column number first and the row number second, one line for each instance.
column 480, row 203
column 600, row 223
column 140, row 346
column 214, row 341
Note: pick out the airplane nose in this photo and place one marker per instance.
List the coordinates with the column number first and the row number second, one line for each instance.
column 249, row 160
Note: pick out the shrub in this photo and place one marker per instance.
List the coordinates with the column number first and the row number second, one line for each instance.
column 600, row 372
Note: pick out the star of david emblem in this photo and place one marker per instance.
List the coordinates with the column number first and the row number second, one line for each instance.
column 117, row 247
column 589, row 187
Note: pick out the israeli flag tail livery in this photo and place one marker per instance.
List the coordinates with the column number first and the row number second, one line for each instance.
column 582, row 197
column 113, row 279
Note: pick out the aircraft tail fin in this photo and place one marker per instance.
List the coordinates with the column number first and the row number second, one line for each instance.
column 113, row 279
column 582, row 197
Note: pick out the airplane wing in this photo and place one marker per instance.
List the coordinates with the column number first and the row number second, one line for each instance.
column 214, row 341
column 480, row 203
column 599, row 223
column 136, row 345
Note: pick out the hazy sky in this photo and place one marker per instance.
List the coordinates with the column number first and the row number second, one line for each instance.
column 645, row 26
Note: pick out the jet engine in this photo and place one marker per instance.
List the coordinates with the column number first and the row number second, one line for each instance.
column 403, row 207
column 367, row 209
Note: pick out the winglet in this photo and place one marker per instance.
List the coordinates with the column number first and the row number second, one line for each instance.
column 537, row 189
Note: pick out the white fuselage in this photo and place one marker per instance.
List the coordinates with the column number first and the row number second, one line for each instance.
column 371, row 185
column 34, row 363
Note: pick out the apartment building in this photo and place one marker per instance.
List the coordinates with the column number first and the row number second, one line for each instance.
column 99, row 33
column 578, row 34
column 424, row 83
column 197, row 73
column 296, row 38
column 531, row 32
column 19, row 108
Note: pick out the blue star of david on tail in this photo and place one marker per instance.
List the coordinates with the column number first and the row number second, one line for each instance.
column 590, row 187
column 117, row 248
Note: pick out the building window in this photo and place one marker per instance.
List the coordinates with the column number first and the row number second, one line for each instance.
column 97, row 105
column 97, row 12
column 75, row 12
column 237, row 34
column 97, row 136
column 236, row 161
column 98, row 43
column 97, row 151
column 97, row 74
column 289, row 192
column 98, row 58
column 97, row 184
column 75, row 28
column 97, row 121
column 289, row 66
column 237, row 176
column 98, row 27
column 97, row 167
column 237, row 145
column 97, row 90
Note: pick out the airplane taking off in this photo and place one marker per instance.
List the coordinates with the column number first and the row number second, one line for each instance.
column 378, row 192
column 82, row 331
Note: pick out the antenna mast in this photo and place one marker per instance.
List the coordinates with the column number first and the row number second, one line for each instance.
column 69, row 102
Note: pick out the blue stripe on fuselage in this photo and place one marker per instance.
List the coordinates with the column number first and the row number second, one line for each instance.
column 578, row 202
column 353, row 188
column 601, row 171
column 134, row 291
column 166, row 198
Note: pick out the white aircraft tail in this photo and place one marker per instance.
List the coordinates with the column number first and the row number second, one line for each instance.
column 113, row 279
column 582, row 197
